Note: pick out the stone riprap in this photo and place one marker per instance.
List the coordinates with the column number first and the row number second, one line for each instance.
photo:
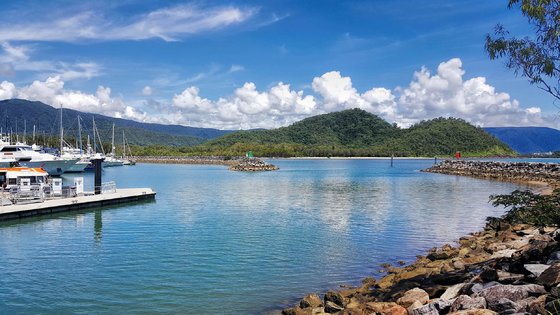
column 236, row 163
column 503, row 269
column 509, row 171
column 252, row 165
column 208, row 160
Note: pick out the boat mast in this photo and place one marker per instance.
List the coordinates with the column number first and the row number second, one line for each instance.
column 113, row 141
column 61, row 130
column 34, row 134
column 80, row 134
column 123, row 146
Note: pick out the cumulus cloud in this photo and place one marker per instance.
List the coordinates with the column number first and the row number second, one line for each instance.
column 168, row 23
column 246, row 108
column 443, row 93
column 52, row 92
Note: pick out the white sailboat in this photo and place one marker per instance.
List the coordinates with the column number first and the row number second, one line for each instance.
column 111, row 158
column 127, row 160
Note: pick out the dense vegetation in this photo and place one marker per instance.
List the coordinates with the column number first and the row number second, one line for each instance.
column 529, row 208
column 350, row 133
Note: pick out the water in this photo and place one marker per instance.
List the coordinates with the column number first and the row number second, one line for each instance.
column 221, row 242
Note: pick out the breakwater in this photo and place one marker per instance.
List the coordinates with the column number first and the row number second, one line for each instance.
column 206, row 160
column 503, row 269
column 509, row 171
column 238, row 163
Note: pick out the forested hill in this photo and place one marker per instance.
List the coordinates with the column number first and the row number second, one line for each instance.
column 15, row 113
column 356, row 132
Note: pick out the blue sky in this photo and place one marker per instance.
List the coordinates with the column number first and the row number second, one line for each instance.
column 265, row 64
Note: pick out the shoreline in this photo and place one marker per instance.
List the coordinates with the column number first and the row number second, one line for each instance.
column 475, row 278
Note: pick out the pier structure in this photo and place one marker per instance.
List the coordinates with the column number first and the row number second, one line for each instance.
column 78, row 202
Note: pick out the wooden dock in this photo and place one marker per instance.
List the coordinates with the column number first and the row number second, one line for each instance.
column 123, row 195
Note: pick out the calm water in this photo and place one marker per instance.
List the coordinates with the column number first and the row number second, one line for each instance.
column 221, row 242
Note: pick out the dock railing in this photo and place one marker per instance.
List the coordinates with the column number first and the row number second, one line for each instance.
column 31, row 193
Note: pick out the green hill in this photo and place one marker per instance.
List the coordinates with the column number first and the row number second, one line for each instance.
column 356, row 132
column 15, row 113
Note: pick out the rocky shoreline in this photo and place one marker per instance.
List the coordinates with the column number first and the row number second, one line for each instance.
column 507, row 171
column 503, row 269
column 237, row 163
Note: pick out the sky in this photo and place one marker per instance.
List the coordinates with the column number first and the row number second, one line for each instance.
column 266, row 64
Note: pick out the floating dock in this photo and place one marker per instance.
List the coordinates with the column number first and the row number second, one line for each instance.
column 123, row 195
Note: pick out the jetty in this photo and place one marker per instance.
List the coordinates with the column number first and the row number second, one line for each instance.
column 55, row 205
column 235, row 163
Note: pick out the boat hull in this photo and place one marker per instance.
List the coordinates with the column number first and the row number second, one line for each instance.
column 54, row 167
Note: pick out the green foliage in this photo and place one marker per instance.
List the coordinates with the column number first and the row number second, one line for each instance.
column 529, row 208
column 358, row 133
column 536, row 58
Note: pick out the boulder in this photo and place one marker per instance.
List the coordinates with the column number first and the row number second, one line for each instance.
column 331, row 307
column 536, row 269
column 413, row 295
column 442, row 305
column 504, row 306
column 495, row 293
column 478, row 311
column 553, row 258
column 297, row 311
column 489, row 274
column 311, row 300
column 465, row 302
column 551, row 276
column 335, row 297
column 415, row 305
column 386, row 308
column 454, row 291
column 428, row 309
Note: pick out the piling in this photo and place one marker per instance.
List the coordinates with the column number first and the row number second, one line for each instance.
column 97, row 166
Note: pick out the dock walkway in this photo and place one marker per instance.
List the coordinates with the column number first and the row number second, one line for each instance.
column 122, row 195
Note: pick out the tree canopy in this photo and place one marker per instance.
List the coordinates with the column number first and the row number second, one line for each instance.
column 536, row 57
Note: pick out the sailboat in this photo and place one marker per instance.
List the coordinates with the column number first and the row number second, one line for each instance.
column 76, row 153
column 127, row 160
column 111, row 158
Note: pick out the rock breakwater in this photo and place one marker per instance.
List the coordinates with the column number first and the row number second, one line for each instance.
column 510, row 171
column 501, row 270
column 206, row 160
column 252, row 165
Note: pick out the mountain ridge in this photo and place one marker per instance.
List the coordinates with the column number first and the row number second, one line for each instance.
column 47, row 119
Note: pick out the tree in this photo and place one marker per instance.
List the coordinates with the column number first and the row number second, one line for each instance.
column 537, row 58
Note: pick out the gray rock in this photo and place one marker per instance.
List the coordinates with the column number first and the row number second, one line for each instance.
column 510, row 292
column 477, row 287
column 551, row 276
column 504, row 306
column 553, row 258
column 454, row 291
column 428, row 309
column 536, row 269
column 465, row 302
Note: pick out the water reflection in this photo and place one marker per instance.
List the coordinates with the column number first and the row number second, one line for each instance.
column 98, row 226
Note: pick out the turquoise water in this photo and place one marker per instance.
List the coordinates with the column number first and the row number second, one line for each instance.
column 221, row 242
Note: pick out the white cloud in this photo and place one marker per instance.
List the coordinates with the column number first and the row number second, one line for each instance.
column 168, row 24
column 19, row 58
column 7, row 90
column 445, row 93
column 147, row 90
